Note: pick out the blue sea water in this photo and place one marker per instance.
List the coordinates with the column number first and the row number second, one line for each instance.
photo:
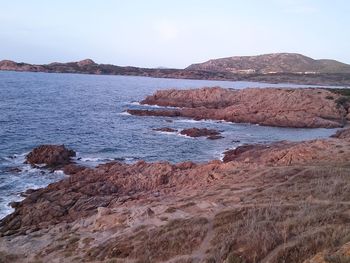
column 86, row 113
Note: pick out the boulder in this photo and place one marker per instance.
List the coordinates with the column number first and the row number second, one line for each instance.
column 51, row 155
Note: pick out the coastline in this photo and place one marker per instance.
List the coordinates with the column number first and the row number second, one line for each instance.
column 157, row 195
column 126, row 212
column 329, row 80
column 298, row 108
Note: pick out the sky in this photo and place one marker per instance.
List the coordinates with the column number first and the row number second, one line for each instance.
column 171, row 33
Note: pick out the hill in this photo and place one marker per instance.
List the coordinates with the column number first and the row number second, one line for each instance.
column 272, row 63
column 272, row 68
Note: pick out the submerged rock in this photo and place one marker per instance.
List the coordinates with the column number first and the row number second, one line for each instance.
column 214, row 137
column 51, row 155
column 165, row 129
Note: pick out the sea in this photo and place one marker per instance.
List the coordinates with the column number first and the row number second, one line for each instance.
column 87, row 113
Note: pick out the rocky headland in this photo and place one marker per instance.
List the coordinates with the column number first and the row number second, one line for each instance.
column 300, row 108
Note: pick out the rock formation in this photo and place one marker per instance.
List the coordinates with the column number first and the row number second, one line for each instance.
column 342, row 134
column 301, row 108
column 200, row 132
column 284, row 202
column 50, row 155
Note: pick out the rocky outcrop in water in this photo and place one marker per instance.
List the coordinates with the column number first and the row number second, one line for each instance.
column 301, row 108
column 50, row 155
column 200, row 132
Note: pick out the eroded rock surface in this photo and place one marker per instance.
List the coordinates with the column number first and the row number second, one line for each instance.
column 311, row 108
column 284, row 202
column 50, row 155
column 200, row 132
column 342, row 134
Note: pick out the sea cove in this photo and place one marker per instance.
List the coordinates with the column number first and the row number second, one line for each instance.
column 87, row 113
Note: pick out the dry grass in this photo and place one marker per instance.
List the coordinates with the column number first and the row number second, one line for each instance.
column 8, row 258
column 294, row 230
column 178, row 237
column 337, row 259
column 289, row 217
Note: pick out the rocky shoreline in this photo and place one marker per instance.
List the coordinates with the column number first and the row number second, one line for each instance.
column 299, row 108
column 281, row 202
column 126, row 212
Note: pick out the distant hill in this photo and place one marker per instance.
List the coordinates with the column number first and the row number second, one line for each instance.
column 271, row 68
column 272, row 63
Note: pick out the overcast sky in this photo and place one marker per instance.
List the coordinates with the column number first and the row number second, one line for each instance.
column 171, row 33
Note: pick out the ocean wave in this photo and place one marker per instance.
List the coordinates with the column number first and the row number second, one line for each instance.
column 91, row 159
column 5, row 209
column 28, row 178
column 100, row 160
column 30, row 169
column 16, row 158
column 184, row 136
column 136, row 103
column 59, row 172
column 124, row 113
column 195, row 121
column 167, row 133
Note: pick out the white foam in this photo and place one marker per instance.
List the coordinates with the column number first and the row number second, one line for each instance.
column 98, row 160
column 194, row 121
column 30, row 169
column 89, row 159
column 16, row 158
column 159, row 106
column 167, row 133
column 40, row 165
column 124, row 113
column 221, row 156
column 59, row 172
column 185, row 136
column 5, row 210
column 95, row 159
